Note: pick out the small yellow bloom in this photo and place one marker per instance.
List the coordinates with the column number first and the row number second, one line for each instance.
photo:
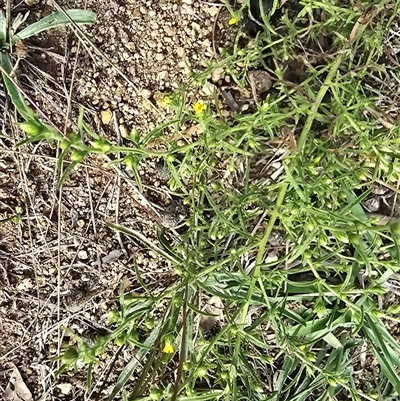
column 168, row 348
column 232, row 21
column 199, row 107
column 165, row 101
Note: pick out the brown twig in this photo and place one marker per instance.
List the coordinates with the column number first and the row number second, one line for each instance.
column 213, row 33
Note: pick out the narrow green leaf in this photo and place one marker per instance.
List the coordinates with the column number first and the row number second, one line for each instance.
column 15, row 95
column 354, row 205
column 252, row 338
column 386, row 356
column 377, row 326
column 307, row 389
column 133, row 364
column 332, row 340
column 121, row 299
column 303, row 247
column 288, row 367
column 165, row 244
column 12, row 218
column 54, row 20
column 388, row 369
column 318, row 325
column 212, row 395
column 3, row 29
column 139, row 277
column 199, row 311
column 89, row 380
column 127, row 324
column 66, row 173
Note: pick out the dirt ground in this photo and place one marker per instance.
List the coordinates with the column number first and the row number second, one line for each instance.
column 62, row 265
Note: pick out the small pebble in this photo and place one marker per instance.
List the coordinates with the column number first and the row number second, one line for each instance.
column 82, row 255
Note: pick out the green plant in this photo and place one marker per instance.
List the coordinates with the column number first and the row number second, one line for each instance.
column 14, row 218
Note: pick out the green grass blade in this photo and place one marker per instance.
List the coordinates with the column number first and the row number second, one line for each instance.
column 165, row 244
column 54, row 20
column 89, row 380
column 132, row 365
column 15, row 95
column 332, row 340
column 212, row 395
column 388, row 369
column 66, row 173
column 3, row 29
column 288, row 367
column 139, row 277
column 378, row 329
column 387, row 358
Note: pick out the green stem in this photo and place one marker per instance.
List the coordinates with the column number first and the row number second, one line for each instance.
column 300, row 145
column 281, row 196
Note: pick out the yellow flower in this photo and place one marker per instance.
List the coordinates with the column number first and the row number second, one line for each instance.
column 165, row 101
column 232, row 21
column 199, row 107
column 168, row 348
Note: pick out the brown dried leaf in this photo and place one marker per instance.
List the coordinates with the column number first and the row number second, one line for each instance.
column 106, row 116
column 216, row 308
column 112, row 256
column 17, row 389
column 194, row 130
column 365, row 18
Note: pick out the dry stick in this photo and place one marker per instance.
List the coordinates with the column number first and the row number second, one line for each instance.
column 63, row 93
column 99, row 265
column 8, row 24
column 54, row 327
column 26, row 194
column 8, row 15
column 275, row 213
column 121, row 244
column 215, row 54
column 105, row 373
column 385, row 184
column 68, row 111
column 58, row 260
column 59, row 273
column 143, row 200
column 69, row 95
column 393, row 210
column 48, row 120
